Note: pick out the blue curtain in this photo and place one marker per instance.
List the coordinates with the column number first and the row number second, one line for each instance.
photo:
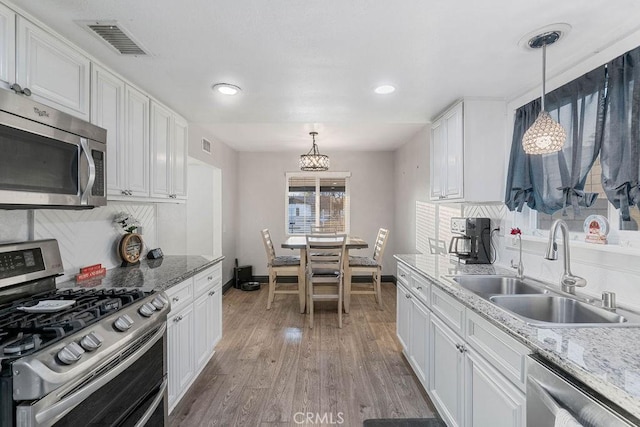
column 619, row 157
column 551, row 182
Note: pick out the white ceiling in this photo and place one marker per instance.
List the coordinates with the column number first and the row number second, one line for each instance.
column 313, row 64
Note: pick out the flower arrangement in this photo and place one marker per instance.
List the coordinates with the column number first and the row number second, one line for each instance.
column 126, row 223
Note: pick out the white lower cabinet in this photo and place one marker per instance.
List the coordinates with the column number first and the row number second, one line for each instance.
column 194, row 327
column 490, row 399
column 472, row 371
column 180, row 360
column 419, row 350
column 446, row 384
column 403, row 315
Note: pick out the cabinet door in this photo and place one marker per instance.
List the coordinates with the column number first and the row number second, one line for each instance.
column 216, row 316
column 202, row 329
column 161, row 128
column 419, row 347
column 181, row 353
column 179, row 159
column 137, row 142
column 107, row 111
column 438, row 154
column 403, row 316
column 454, row 160
column 446, row 372
column 7, row 46
column 491, row 400
column 56, row 74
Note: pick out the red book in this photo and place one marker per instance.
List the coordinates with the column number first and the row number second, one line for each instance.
column 91, row 274
column 90, row 268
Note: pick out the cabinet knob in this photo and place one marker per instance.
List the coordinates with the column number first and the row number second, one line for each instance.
column 176, row 299
column 18, row 89
column 408, row 296
column 403, row 275
column 212, row 293
column 209, row 278
column 419, row 288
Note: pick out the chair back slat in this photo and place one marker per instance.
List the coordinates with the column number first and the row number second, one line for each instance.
column 381, row 243
column 268, row 245
column 323, row 229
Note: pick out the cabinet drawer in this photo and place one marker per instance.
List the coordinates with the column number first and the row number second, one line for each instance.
column 421, row 287
column 180, row 295
column 504, row 352
column 207, row 278
column 448, row 310
column 404, row 274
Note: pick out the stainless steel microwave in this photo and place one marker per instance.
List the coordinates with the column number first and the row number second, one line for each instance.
column 49, row 159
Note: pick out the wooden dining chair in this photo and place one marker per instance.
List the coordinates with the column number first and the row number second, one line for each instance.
column 324, row 270
column 281, row 266
column 369, row 266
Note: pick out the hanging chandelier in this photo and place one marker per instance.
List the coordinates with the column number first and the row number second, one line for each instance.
column 313, row 160
column 545, row 134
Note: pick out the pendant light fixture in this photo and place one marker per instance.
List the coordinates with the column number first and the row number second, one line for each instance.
column 313, row 160
column 545, row 135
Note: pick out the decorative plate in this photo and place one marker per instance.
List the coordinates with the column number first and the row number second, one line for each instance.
column 596, row 225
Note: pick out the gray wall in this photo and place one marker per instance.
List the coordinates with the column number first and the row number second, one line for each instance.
column 261, row 184
column 411, row 167
column 226, row 159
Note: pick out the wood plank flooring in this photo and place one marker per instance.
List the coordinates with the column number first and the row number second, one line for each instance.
column 270, row 369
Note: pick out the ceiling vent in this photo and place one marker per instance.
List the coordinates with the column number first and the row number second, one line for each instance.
column 115, row 36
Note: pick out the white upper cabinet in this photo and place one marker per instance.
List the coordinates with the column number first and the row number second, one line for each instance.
column 124, row 113
column 7, row 46
column 137, row 142
column 107, row 111
column 56, row 74
column 467, row 142
column 168, row 154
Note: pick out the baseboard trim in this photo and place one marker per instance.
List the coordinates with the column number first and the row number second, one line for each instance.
column 354, row 279
column 227, row 286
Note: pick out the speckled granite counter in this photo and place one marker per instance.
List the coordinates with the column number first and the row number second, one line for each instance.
column 158, row 275
column 605, row 359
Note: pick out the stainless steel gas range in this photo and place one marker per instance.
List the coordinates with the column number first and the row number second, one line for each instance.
column 77, row 356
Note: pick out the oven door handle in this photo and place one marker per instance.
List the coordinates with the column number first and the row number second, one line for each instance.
column 53, row 413
column 86, row 150
column 154, row 405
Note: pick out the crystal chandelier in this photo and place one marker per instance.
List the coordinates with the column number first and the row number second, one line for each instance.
column 313, row 160
column 545, row 134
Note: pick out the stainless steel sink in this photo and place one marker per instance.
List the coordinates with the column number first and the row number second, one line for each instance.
column 497, row 285
column 552, row 310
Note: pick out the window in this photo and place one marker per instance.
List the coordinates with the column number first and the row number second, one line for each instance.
column 317, row 199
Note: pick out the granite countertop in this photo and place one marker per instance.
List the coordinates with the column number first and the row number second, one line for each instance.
column 150, row 274
column 605, row 359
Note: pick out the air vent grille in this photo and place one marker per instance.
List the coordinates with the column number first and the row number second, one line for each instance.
column 116, row 36
column 206, row 146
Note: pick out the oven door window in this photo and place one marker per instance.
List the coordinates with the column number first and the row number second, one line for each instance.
column 123, row 400
column 35, row 163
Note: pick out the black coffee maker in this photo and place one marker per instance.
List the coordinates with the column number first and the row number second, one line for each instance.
column 471, row 242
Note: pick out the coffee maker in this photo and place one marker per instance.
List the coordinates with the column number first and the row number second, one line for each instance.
column 471, row 242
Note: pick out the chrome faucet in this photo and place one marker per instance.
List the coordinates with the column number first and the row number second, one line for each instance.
column 568, row 282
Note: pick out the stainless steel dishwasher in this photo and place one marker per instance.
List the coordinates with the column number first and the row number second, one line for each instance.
column 551, row 391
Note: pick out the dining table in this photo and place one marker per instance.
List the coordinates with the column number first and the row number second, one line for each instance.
column 299, row 242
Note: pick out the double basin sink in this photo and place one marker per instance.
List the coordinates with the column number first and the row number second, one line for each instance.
column 540, row 306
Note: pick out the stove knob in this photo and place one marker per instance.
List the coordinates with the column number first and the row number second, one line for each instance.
column 147, row 309
column 123, row 323
column 91, row 342
column 159, row 302
column 70, row 354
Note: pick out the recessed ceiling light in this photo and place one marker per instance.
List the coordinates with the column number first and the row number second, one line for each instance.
column 384, row 89
column 226, row 88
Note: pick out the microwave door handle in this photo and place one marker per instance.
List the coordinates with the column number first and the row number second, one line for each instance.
column 84, row 197
column 451, row 244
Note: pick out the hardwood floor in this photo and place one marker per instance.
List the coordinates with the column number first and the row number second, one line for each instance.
column 270, row 369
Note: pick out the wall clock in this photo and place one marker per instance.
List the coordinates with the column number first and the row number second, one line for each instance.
column 130, row 248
